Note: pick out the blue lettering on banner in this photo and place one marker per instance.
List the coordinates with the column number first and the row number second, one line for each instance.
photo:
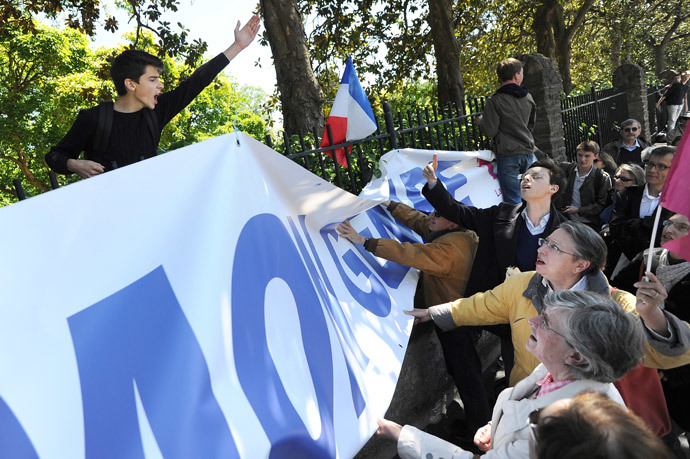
column 265, row 251
column 140, row 334
column 412, row 178
column 390, row 272
column 352, row 352
column 14, row 443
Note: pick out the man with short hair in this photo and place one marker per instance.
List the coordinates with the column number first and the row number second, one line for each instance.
column 509, row 117
column 587, row 187
column 508, row 233
column 633, row 217
column 627, row 149
column 116, row 134
column 445, row 261
column 674, row 96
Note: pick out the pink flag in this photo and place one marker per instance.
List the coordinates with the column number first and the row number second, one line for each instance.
column 676, row 193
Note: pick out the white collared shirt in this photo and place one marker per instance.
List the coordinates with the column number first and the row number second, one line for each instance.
column 534, row 230
column 631, row 148
column 580, row 285
column 648, row 203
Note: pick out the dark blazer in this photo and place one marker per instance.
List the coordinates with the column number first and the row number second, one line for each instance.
column 498, row 228
column 631, row 233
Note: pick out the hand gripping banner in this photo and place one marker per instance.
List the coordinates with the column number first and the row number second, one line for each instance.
column 200, row 304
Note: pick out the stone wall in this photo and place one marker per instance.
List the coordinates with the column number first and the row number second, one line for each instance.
column 543, row 81
column 631, row 78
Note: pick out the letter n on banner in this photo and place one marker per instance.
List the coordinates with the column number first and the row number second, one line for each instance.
column 140, row 336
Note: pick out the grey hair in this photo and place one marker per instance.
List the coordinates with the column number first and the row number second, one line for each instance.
column 630, row 122
column 587, row 244
column 635, row 171
column 609, row 338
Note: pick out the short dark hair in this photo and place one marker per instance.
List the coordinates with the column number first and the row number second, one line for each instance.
column 595, row 426
column 508, row 68
column 589, row 145
column 662, row 151
column 555, row 172
column 131, row 64
column 630, row 122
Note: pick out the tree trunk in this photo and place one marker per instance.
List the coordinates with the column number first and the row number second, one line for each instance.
column 300, row 95
column 447, row 51
column 616, row 50
column 563, row 52
column 659, row 58
column 542, row 25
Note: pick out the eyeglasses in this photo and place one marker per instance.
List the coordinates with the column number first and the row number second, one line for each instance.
column 552, row 246
column 534, row 176
column 630, row 129
column 659, row 166
column 545, row 324
column 679, row 226
column 622, row 179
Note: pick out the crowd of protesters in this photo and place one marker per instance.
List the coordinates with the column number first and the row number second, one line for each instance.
column 564, row 269
column 558, row 270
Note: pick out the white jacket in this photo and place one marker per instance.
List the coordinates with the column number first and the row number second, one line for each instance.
column 509, row 430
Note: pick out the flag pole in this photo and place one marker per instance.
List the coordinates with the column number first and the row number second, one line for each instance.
column 651, row 242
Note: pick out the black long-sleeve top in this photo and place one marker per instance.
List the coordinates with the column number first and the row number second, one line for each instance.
column 130, row 136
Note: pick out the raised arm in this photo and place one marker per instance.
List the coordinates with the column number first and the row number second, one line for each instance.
column 243, row 37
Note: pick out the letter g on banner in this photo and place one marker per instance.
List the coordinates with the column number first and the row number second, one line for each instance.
column 265, row 251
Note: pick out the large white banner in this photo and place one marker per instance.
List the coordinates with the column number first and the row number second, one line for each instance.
column 200, row 304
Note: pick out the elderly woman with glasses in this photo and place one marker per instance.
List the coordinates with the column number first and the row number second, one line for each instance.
column 584, row 340
column 571, row 258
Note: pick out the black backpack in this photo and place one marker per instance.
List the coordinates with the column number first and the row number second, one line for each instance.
column 105, row 124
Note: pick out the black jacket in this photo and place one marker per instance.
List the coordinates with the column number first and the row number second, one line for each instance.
column 498, row 228
column 593, row 192
column 628, row 230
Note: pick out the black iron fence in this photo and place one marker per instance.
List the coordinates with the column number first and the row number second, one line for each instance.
column 594, row 116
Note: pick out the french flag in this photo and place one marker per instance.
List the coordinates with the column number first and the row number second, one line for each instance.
column 351, row 117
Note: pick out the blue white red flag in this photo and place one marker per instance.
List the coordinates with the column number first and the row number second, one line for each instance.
column 351, row 117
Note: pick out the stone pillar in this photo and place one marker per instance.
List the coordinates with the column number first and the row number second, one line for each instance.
column 631, row 78
column 544, row 82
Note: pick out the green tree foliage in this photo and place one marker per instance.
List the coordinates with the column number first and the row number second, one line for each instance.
column 47, row 75
column 85, row 15
column 43, row 76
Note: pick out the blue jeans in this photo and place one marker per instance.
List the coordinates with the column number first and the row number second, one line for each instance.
column 509, row 167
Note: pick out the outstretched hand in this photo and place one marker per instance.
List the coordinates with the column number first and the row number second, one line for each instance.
column 245, row 35
column 346, row 230
column 388, row 429
column 420, row 315
column 429, row 172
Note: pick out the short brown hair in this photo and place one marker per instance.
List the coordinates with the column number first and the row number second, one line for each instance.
column 595, row 426
column 507, row 69
column 589, row 145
